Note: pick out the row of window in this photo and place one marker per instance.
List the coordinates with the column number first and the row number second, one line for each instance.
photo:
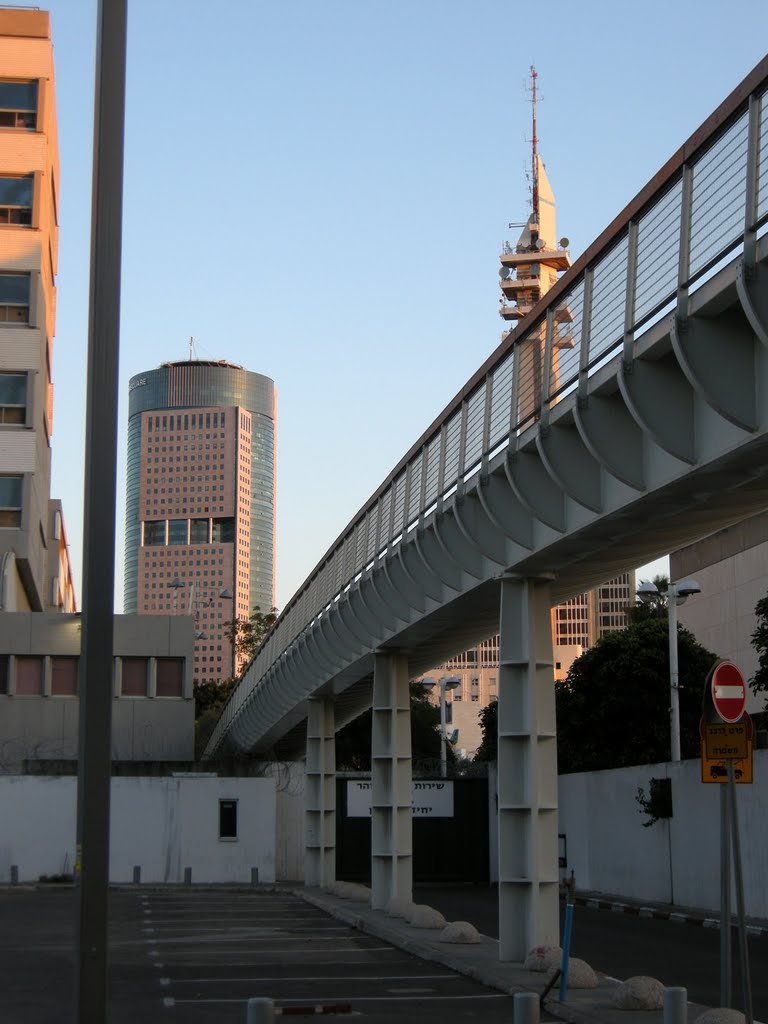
column 190, row 420
column 25, row 676
column 162, row 532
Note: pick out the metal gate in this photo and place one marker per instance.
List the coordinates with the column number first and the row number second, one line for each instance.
column 448, row 849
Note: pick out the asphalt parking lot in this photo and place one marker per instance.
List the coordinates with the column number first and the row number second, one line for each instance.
column 187, row 956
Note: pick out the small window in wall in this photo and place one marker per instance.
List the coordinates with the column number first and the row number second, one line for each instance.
column 227, row 819
column 14, row 298
column 3, row 673
column 170, row 676
column 13, row 398
column 18, row 105
column 134, row 677
column 64, row 677
column 16, row 199
column 10, row 500
column 29, row 677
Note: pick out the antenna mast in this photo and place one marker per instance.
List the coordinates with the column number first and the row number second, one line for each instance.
column 534, row 149
column 191, row 339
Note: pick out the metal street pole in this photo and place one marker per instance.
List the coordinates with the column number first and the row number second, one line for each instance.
column 443, row 749
column 725, row 897
column 674, row 692
column 95, row 737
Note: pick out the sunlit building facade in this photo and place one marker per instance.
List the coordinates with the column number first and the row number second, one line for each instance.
column 35, row 570
column 200, row 500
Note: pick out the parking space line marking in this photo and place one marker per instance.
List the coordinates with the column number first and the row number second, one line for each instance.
column 361, row 999
column 314, row 977
column 169, row 1002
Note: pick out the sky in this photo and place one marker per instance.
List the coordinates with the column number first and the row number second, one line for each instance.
column 319, row 192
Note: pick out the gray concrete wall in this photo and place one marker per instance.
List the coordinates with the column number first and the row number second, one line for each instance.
column 143, row 728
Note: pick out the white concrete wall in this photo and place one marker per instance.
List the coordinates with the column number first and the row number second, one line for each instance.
column 673, row 861
column 163, row 825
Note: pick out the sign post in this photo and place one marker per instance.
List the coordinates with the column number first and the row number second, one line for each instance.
column 726, row 733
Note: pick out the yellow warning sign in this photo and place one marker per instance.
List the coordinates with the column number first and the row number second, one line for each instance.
column 725, row 740
column 715, row 769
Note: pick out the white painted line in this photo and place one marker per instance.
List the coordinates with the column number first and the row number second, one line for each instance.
column 169, row 1002
column 359, row 999
column 158, row 965
column 752, row 929
column 678, row 918
column 166, row 982
column 711, row 922
column 314, row 977
column 152, row 952
column 147, row 929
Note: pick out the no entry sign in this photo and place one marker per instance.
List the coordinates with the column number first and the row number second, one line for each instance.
column 729, row 691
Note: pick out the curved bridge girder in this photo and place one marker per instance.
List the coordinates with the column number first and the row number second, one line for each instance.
column 455, row 545
column 417, row 569
column 752, row 289
column 660, row 400
column 431, row 551
column 514, row 521
column 613, row 437
column 719, row 362
column 399, row 580
column 535, row 489
column 479, row 530
column 570, row 464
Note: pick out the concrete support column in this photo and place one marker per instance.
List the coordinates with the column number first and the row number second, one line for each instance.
column 320, row 794
column 391, row 841
column 527, row 771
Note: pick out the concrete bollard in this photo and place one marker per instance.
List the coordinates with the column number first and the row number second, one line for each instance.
column 260, row 1011
column 14, row 874
column 675, row 1005
column 137, row 874
column 525, row 1008
column 254, row 876
column 187, row 876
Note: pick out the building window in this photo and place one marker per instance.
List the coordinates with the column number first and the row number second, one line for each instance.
column 135, row 677
column 18, row 105
column 16, row 200
column 154, row 533
column 14, row 298
column 227, row 819
column 64, row 677
column 3, row 673
column 10, row 500
column 177, row 531
column 13, row 398
column 29, row 677
column 170, row 675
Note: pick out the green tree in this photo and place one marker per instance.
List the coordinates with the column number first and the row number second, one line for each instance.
column 613, row 706
column 759, row 681
column 353, row 742
column 249, row 634
column 489, row 727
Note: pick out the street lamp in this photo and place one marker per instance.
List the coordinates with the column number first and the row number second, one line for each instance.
column 677, row 594
column 445, row 683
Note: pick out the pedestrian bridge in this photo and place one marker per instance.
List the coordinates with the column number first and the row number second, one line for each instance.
column 625, row 416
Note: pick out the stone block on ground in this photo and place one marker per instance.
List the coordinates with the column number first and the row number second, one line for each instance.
column 540, row 957
column 460, row 932
column 423, row 916
column 639, row 993
column 721, row 1015
column 580, row 974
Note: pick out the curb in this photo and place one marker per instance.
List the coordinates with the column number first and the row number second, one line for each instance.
column 658, row 914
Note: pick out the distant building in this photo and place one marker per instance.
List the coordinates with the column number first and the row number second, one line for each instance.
column 200, row 504
column 29, row 239
column 731, row 567
column 152, row 711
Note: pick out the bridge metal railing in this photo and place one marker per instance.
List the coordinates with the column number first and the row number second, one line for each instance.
column 708, row 201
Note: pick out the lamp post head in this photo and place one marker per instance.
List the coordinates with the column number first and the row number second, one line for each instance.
column 646, row 591
column 686, row 588
column 450, row 682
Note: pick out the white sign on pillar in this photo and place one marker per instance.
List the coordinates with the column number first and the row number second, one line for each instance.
column 429, row 799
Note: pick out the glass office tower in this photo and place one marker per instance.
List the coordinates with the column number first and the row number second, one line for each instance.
column 200, row 500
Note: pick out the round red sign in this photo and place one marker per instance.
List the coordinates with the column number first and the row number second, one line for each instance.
column 729, row 691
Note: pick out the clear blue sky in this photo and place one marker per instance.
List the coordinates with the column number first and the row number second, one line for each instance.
column 319, row 191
